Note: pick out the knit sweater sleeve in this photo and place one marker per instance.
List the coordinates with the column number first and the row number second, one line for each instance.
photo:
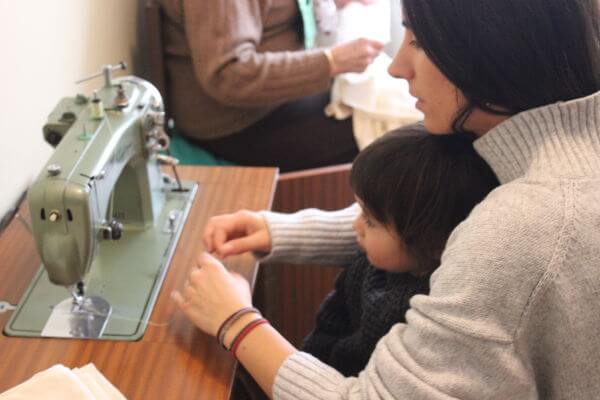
column 313, row 236
column 418, row 360
column 460, row 341
column 223, row 37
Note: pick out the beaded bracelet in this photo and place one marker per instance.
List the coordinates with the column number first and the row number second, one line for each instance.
column 244, row 332
column 230, row 321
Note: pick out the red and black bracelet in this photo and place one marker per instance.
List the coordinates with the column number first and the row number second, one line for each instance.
column 244, row 332
column 230, row 321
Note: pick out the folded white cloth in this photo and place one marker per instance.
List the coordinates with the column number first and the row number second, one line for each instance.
column 97, row 383
column 60, row 383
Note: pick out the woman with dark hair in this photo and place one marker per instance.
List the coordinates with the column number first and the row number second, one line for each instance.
column 513, row 309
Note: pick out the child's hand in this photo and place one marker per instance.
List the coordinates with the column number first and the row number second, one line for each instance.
column 236, row 233
column 211, row 294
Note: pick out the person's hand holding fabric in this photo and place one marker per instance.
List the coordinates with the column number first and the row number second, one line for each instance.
column 354, row 56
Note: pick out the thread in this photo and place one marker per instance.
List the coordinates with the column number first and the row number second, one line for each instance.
column 114, row 315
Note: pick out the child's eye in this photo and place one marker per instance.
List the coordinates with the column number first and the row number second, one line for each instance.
column 368, row 221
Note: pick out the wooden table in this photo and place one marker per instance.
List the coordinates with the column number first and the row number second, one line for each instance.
column 172, row 361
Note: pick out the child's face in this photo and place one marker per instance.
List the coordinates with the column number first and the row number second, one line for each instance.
column 384, row 248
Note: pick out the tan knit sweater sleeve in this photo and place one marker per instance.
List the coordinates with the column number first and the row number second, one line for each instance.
column 224, row 37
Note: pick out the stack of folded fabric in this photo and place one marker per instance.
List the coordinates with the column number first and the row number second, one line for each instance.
column 61, row 383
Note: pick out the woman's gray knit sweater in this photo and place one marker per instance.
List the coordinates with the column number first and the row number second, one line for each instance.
column 514, row 308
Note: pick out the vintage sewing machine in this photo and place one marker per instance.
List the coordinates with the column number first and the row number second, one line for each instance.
column 105, row 218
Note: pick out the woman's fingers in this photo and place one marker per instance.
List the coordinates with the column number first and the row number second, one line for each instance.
column 208, row 233
column 221, row 227
column 258, row 241
column 208, row 262
column 232, row 234
column 211, row 294
column 178, row 298
column 219, row 239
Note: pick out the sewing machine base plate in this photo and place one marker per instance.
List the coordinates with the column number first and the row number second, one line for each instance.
column 86, row 320
column 127, row 273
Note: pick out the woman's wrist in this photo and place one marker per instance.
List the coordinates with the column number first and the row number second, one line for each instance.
column 231, row 320
column 246, row 330
column 331, row 60
column 262, row 352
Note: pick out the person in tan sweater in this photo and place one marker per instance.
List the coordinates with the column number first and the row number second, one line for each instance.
column 241, row 84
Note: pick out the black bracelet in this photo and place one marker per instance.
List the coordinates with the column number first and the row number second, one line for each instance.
column 231, row 320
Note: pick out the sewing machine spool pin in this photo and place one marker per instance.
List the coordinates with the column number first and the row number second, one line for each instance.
column 96, row 107
column 106, row 72
column 121, row 99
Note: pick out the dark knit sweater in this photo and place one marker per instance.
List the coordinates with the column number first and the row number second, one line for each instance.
column 362, row 308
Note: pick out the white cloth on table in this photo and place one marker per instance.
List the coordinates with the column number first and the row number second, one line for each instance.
column 61, row 383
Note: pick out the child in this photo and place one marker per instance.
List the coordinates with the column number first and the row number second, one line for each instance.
column 413, row 189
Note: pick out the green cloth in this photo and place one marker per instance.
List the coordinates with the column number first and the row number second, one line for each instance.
column 189, row 153
column 308, row 22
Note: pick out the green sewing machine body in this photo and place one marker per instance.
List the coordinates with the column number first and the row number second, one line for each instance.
column 104, row 216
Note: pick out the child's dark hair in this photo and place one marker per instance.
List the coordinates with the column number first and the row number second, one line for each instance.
column 422, row 186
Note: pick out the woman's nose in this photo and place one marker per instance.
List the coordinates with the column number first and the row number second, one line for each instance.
column 401, row 67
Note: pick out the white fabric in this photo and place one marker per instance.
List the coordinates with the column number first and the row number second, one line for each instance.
column 97, row 383
column 60, row 383
column 377, row 102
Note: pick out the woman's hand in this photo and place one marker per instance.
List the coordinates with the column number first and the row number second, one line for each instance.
column 354, row 56
column 211, row 294
column 236, row 233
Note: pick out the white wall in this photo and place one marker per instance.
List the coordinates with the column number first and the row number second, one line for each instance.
column 46, row 46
